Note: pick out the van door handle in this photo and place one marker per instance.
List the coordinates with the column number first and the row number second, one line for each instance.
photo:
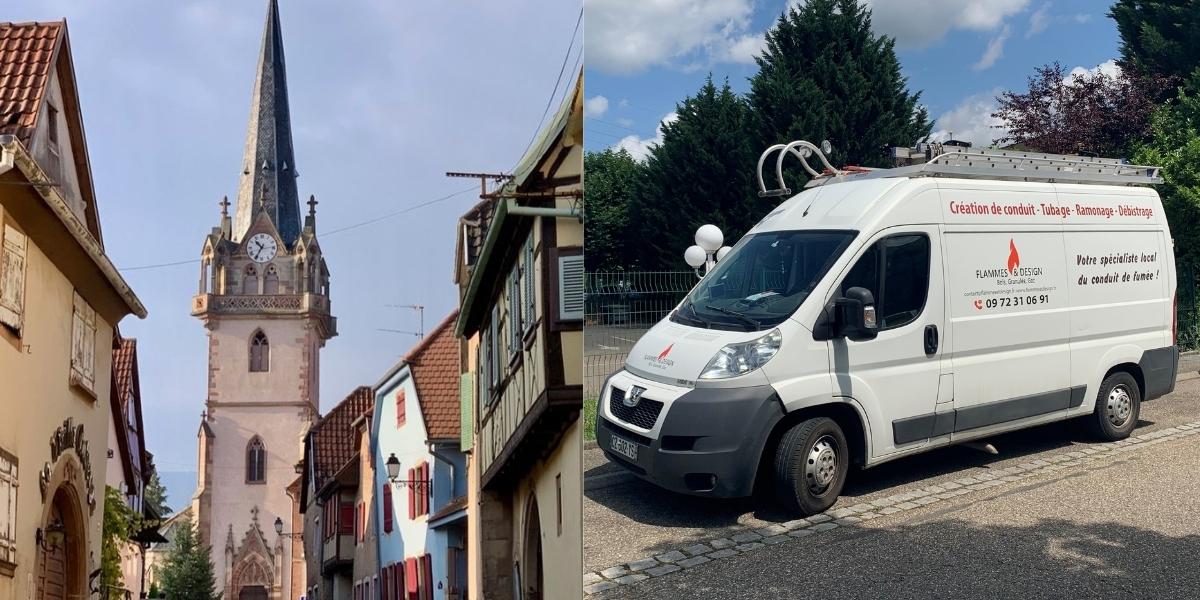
column 931, row 340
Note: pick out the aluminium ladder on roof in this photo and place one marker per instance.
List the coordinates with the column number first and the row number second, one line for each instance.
column 967, row 163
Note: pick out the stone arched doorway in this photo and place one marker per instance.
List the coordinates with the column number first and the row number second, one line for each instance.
column 62, row 550
column 531, row 552
column 253, row 592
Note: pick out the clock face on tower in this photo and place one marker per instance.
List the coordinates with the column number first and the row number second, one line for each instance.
column 261, row 247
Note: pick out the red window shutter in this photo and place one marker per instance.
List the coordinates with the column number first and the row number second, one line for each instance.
column 400, row 416
column 427, row 576
column 397, row 582
column 410, row 574
column 425, row 489
column 412, row 495
column 346, row 519
column 383, row 583
column 387, row 508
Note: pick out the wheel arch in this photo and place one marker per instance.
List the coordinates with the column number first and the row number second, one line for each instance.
column 844, row 412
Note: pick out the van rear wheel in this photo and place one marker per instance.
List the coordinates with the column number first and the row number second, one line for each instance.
column 1118, row 405
column 811, row 462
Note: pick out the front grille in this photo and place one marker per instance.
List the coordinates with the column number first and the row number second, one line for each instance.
column 644, row 415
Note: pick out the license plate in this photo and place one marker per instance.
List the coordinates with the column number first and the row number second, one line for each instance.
column 623, row 447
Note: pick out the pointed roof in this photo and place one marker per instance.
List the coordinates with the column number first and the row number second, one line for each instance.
column 435, row 370
column 332, row 440
column 27, row 52
column 268, row 181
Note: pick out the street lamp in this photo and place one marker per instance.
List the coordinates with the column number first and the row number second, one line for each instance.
column 707, row 251
column 52, row 537
column 279, row 530
column 393, row 471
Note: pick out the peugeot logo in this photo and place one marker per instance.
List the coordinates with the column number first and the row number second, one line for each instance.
column 633, row 396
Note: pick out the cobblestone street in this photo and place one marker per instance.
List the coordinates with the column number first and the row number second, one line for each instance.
column 1053, row 513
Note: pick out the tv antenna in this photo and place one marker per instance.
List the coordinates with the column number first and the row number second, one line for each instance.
column 420, row 309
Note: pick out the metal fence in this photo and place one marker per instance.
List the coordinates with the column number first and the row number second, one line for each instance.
column 1187, row 309
column 619, row 307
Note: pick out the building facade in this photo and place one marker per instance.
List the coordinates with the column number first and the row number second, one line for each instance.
column 129, row 464
column 421, row 521
column 60, row 301
column 335, row 512
column 263, row 296
column 523, row 301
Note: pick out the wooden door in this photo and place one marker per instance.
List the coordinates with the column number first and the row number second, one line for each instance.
column 54, row 566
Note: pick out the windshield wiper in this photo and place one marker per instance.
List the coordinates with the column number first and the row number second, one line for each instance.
column 696, row 316
column 734, row 313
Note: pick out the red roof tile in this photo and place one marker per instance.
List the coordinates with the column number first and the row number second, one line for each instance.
column 435, row 368
column 27, row 53
column 333, row 441
column 124, row 364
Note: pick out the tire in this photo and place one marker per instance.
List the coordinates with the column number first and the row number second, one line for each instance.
column 811, row 462
column 1118, row 404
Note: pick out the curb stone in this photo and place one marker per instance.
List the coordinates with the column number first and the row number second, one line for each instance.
column 696, row 554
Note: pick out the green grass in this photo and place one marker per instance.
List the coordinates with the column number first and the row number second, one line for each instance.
column 589, row 419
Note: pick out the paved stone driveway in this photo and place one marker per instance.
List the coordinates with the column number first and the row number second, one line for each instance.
column 1050, row 485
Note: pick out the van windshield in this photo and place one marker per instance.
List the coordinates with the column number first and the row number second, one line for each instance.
column 763, row 280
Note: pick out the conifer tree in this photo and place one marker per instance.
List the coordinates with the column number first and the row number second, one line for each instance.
column 825, row 76
column 188, row 572
column 702, row 172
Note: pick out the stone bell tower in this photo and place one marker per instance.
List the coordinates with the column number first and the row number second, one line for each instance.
column 263, row 296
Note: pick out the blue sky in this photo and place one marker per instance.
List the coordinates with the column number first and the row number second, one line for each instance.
column 385, row 97
column 645, row 56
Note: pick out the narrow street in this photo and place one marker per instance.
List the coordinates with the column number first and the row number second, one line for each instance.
column 1053, row 511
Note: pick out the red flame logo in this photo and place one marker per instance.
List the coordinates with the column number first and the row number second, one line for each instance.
column 1014, row 259
column 666, row 352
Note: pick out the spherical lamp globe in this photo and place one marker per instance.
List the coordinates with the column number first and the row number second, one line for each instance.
column 695, row 256
column 709, row 238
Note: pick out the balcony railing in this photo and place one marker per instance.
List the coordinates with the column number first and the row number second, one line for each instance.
column 204, row 305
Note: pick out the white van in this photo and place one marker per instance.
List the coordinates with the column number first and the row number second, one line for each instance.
column 883, row 313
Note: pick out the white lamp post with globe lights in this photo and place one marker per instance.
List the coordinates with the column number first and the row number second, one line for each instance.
column 707, row 251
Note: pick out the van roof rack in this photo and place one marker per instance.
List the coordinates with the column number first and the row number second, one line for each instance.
column 942, row 160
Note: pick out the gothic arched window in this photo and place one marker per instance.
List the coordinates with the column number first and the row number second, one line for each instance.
column 271, row 280
column 256, row 461
column 260, row 353
column 250, row 280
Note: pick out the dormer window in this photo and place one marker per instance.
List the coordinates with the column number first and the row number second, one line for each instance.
column 52, row 126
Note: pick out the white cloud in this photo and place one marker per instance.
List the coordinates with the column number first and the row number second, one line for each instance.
column 595, row 106
column 993, row 52
column 629, row 36
column 745, row 48
column 1039, row 20
column 638, row 146
column 925, row 22
column 1108, row 67
column 971, row 120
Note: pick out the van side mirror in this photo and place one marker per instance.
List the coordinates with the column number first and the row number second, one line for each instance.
column 855, row 317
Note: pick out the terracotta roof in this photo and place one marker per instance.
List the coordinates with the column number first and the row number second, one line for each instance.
column 333, row 441
column 27, row 53
column 435, row 372
column 124, row 364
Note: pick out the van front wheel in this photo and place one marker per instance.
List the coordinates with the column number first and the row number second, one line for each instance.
column 1118, row 405
column 811, row 462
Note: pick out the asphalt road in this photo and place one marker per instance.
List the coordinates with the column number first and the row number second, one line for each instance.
column 1126, row 527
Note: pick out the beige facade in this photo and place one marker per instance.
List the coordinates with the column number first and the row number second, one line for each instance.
column 60, row 301
column 523, row 301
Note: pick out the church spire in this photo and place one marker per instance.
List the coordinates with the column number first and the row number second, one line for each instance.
column 268, row 182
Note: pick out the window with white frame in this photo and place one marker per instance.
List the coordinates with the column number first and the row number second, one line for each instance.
column 8, row 508
column 12, row 278
column 83, row 345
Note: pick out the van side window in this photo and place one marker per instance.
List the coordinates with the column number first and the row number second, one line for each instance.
column 896, row 271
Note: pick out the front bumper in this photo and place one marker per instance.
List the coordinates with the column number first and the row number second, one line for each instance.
column 705, row 442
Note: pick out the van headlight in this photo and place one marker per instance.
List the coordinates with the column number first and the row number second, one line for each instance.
column 739, row 359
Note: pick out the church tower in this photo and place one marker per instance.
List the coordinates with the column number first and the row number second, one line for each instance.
column 263, row 296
